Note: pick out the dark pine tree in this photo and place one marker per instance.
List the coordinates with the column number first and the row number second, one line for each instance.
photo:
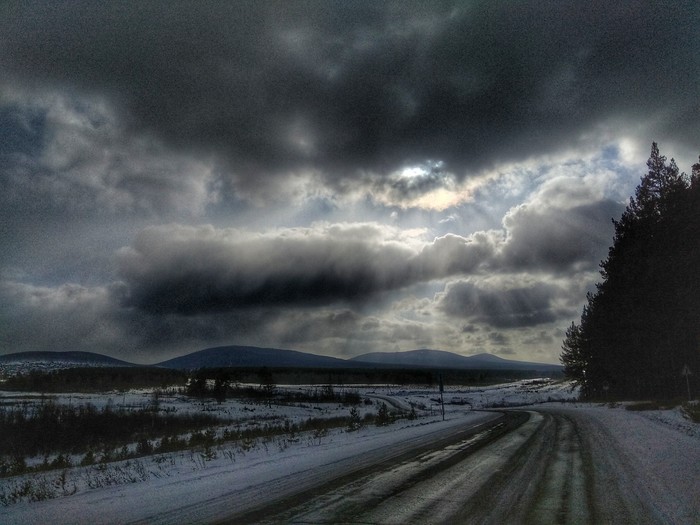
column 642, row 325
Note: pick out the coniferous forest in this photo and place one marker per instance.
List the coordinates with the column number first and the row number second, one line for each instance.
column 639, row 333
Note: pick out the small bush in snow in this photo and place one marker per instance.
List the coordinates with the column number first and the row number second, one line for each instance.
column 692, row 411
column 354, row 423
column 382, row 418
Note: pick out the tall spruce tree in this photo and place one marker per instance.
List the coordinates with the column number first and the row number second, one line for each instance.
column 642, row 325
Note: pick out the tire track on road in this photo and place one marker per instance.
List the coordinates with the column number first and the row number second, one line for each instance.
column 407, row 492
column 552, row 469
column 562, row 495
column 563, row 476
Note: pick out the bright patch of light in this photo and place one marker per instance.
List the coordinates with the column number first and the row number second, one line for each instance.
column 421, row 170
column 630, row 152
column 413, row 172
column 441, row 199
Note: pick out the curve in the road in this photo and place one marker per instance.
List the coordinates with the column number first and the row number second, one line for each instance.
column 352, row 498
column 552, row 469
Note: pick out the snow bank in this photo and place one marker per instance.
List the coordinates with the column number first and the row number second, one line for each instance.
column 661, row 447
column 183, row 479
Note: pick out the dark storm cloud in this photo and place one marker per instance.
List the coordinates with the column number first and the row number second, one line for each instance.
column 67, row 317
column 516, row 307
column 365, row 87
column 67, row 157
column 194, row 270
column 439, row 116
column 557, row 239
column 74, row 317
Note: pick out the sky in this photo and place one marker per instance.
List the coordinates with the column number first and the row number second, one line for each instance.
column 330, row 177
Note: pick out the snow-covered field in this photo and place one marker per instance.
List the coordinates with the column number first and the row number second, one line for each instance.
column 238, row 414
column 177, row 475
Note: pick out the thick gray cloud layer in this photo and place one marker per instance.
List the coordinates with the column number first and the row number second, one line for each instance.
column 501, row 308
column 332, row 176
column 365, row 87
column 192, row 270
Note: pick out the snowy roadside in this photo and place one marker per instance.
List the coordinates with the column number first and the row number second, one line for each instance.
column 240, row 455
column 663, row 447
column 180, row 479
column 671, row 419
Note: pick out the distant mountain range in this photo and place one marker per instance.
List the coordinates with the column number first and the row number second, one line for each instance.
column 224, row 356
column 250, row 356
column 426, row 358
column 22, row 362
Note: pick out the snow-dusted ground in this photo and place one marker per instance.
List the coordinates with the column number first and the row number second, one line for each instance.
column 252, row 413
column 517, row 393
column 133, row 490
column 660, row 450
column 663, row 446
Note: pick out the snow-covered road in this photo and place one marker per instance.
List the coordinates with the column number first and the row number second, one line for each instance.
column 569, row 463
column 219, row 492
column 580, row 465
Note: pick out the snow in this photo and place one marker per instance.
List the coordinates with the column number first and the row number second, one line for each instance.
column 674, row 418
column 22, row 365
column 181, row 478
column 663, row 447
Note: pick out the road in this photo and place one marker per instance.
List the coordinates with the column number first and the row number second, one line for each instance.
column 553, row 468
column 257, row 501
column 553, row 465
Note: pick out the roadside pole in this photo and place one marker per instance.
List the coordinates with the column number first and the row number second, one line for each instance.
column 686, row 372
column 442, row 401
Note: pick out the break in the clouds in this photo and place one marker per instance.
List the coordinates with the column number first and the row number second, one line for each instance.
column 332, row 176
